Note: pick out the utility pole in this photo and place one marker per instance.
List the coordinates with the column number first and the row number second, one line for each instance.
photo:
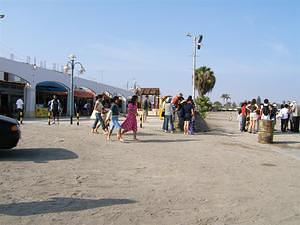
column 196, row 45
column 71, row 65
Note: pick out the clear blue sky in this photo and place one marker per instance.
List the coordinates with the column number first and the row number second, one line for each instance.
column 253, row 46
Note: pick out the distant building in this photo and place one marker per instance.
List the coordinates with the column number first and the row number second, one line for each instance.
column 36, row 86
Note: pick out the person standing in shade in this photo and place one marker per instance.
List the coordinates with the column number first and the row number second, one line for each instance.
column 168, row 118
column 130, row 123
column 188, row 110
column 146, row 107
column 176, row 104
column 114, row 118
column 54, row 107
column 98, row 108
column 20, row 105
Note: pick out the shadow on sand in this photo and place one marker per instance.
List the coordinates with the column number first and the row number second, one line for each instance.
column 57, row 205
column 165, row 140
column 220, row 132
column 285, row 142
column 143, row 134
column 38, row 155
column 277, row 132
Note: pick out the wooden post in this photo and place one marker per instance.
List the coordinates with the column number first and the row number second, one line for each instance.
column 141, row 121
column 77, row 116
column 21, row 117
column 49, row 115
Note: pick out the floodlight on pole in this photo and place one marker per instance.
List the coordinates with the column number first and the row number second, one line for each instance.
column 2, row 16
column 197, row 43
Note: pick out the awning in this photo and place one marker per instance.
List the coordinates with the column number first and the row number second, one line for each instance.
column 84, row 93
column 149, row 91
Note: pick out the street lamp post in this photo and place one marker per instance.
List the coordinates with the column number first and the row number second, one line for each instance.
column 71, row 65
column 197, row 40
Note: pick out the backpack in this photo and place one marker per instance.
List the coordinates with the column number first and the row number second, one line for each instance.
column 55, row 105
column 266, row 110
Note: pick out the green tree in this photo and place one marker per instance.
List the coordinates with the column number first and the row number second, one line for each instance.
column 203, row 105
column 234, row 105
column 225, row 97
column 205, row 80
column 228, row 105
column 258, row 100
column 217, row 105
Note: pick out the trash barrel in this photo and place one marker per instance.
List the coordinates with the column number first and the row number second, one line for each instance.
column 265, row 132
column 296, row 124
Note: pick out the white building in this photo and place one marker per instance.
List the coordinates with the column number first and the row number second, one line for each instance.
column 18, row 79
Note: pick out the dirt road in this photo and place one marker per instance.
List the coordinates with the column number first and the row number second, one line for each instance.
column 66, row 175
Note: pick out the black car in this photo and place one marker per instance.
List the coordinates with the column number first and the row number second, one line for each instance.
column 9, row 132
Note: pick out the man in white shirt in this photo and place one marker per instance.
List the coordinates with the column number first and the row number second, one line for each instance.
column 20, row 105
column 284, row 112
column 98, row 110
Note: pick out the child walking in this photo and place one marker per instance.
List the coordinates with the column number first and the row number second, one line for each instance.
column 114, row 118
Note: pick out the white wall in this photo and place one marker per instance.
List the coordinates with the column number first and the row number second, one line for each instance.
column 36, row 75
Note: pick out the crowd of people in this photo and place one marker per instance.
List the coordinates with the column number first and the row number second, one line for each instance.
column 108, row 118
column 180, row 111
column 251, row 113
column 179, row 114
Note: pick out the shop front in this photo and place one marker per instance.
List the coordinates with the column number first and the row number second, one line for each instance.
column 44, row 94
column 10, row 92
column 84, row 101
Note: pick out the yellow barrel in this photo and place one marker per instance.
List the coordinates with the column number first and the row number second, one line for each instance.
column 265, row 132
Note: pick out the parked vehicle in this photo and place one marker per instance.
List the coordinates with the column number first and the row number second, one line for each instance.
column 10, row 132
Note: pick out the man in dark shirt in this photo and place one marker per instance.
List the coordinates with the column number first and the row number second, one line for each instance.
column 146, row 107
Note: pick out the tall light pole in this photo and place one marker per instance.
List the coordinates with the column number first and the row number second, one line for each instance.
column 196, row 45
column 71, row 65
column 128, row 82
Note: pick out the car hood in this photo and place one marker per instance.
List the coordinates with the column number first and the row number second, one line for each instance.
column 8, row 119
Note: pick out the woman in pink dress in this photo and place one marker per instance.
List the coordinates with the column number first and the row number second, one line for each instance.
column 130, row 123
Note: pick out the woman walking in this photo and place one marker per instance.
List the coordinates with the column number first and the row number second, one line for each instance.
column 188, row 110
column 130, row 123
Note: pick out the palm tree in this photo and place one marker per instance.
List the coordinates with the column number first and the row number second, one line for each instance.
column 225, row 97
column 205, row 80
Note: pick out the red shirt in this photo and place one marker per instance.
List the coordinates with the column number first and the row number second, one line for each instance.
column 244, row 111
column 175, row 100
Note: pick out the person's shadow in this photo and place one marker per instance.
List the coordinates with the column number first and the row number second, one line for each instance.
column 59, row 204
column 37, row 155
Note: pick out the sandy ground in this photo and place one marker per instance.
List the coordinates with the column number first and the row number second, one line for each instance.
column 66, row 175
